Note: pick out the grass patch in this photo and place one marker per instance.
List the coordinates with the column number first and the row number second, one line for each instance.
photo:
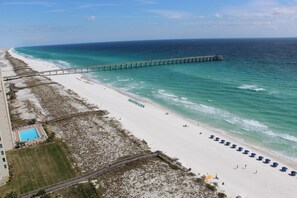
column 38, row 166
column 86, row 190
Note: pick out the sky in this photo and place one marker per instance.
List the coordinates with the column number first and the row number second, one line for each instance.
column 46, row 22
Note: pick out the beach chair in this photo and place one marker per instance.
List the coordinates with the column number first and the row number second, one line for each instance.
column 228, row 143
column 246, row 152
column 233, row 146
column 217, row 139
column 211, row 136
column 222, row 141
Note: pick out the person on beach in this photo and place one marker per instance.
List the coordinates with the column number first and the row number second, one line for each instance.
column 216, row 177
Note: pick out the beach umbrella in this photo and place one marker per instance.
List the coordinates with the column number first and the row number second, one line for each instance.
column 267, row 161
column 211, row 136
column 246, row 152
column 240, row 148
column 222, row 141
column 228, row 143
column 217, row 139
column 284, row 169
column 274, row 164
column 260, row 158
column 234, row 146
column 293, row 173
column 253, row 155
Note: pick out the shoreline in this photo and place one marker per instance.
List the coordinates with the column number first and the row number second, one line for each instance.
column 187, row 144
column 216, row 131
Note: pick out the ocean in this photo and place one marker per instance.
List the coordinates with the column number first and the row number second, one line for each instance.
column 251, row 94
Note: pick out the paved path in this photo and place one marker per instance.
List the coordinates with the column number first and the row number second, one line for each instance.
column 96, row 173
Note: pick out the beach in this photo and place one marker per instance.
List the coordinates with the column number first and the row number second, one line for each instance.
column 165, row 130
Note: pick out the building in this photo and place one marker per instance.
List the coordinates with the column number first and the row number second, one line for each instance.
column 4, row 172
column 6, row 135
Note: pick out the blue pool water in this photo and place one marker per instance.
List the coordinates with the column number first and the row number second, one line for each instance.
column 28, row 134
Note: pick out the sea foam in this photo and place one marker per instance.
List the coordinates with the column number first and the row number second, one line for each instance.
column 247, row 125
column 251, row 87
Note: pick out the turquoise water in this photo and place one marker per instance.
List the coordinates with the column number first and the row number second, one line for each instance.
column 252, row 94
column 28, row 134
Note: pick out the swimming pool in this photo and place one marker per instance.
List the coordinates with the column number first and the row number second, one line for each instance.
column 28, row 134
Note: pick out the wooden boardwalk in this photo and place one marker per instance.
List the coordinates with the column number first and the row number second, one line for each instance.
column 106, row 169
column 119, row 66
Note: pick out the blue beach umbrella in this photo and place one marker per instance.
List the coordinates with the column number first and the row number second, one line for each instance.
column 253, row 155
column 293, row 173
column 274, row 164
column 239, row 149
column 284, row 169
column 260, row 158
column 246, row 152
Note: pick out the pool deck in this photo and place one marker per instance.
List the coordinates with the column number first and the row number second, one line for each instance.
column 5, row 124
column 41, row 133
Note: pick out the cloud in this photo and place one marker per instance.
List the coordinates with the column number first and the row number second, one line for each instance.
column 148, row 1
column 91, row 18
column 171, row 14
column 264, row 14
column 56, row 11
column 264, row 8
column 218, row 15
column 94, row 5
column 26, row 3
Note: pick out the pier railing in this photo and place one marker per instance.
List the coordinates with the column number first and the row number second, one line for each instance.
column 119, row 66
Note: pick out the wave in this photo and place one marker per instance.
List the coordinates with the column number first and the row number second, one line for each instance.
column 59, row 63
column 248, row 125
column 62, row 63
column 251, row 87
column 124, row 80
column 14, row 50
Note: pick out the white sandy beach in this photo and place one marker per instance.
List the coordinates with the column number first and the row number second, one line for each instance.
column 194, row 150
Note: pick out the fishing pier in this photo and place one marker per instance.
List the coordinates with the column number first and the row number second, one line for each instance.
column 119, row 66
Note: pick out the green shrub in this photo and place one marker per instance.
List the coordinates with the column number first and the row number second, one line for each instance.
column 222, row 195
column 32, row 121
column 11, row 195
column 200, row 180
column 211, row 187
